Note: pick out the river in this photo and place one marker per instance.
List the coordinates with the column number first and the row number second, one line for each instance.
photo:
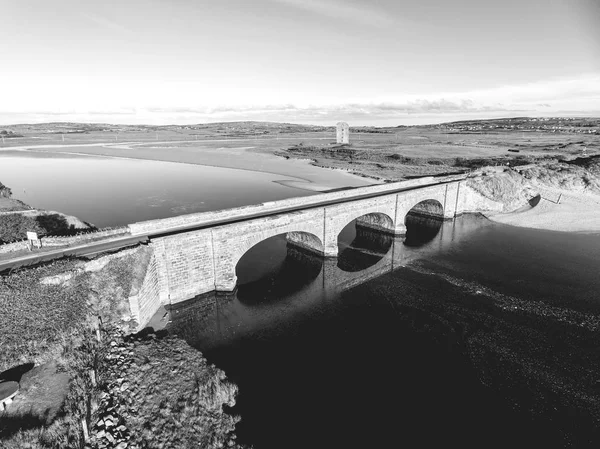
column 473, row 334
column 115, row 191
column 469, row 333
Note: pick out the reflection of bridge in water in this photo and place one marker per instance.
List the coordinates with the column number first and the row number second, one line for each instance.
column 216, row 318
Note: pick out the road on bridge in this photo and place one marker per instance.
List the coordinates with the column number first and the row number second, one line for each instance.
column 94, row 248
column 83, row 250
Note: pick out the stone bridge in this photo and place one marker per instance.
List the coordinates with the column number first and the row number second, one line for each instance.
column 216, row 319
column 198, row 253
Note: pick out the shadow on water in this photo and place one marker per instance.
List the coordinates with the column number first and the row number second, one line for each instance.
column 395, row 354
column 421, row 230
column 298, row 269
column 367, row 248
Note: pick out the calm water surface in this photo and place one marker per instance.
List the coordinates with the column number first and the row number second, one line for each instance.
column 470, row 335
column 115, row 191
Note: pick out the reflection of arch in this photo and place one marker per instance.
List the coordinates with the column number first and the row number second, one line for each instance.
column 423, row 222
column 304, row 239
column 373, row 221
column 420, row 230
column 298, row 269
column 286, row 254
column 371, row 240
column 379, row 214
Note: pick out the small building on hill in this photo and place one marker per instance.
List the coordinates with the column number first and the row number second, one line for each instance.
column 343, row 132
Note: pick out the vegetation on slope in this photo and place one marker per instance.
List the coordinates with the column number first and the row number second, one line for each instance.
column 14, row 227
column 515, row 188
column 160, row 392
column 48, row 317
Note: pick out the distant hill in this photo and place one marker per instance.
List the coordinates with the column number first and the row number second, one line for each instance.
column 247, row 127
column 590, row 124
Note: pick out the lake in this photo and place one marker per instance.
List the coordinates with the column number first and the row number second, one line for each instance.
column 468, row 334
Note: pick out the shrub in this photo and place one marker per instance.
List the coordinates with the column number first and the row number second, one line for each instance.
column 14, row 227
column 54, row 224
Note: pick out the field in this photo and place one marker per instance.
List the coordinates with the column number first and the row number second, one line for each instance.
column 382, row 153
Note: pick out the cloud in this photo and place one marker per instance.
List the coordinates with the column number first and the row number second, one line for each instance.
column 336, row 9
column 311, row 113
column 576, row 96
column 582, row 88
column 106, row 23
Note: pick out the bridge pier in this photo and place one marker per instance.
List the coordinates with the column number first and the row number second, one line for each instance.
column 226, row 283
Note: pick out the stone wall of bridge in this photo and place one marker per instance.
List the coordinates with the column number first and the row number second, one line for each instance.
column 191, row 263
column 232, row 241
column 144, row 297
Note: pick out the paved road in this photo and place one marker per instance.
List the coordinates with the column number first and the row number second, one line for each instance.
column 87, row 250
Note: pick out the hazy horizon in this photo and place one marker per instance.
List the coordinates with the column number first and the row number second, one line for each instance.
column 370, row 63
column 352, row 125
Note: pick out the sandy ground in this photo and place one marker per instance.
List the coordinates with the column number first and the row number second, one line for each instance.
column 576, row 212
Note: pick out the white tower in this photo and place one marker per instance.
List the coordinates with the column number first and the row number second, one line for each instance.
column 343, row 132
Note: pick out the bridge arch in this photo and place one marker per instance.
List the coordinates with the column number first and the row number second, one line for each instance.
column 377, row 214
column 423, row 222
column 304, row 230
column 277, row 268
column 429, row 208
column 301, row 239
column 364, row 241
column 439, row 203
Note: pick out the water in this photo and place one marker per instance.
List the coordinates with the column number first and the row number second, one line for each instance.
column 473, row 334
column 114, row 191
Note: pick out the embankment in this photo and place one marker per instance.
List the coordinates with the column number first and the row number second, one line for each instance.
column 17, row 218
column 73, row 316
column 558, row 196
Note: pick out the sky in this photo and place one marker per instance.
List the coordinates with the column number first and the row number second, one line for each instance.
column 367, row 62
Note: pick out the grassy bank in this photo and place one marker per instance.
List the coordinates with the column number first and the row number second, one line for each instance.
column 16, row 218
column 48, row 319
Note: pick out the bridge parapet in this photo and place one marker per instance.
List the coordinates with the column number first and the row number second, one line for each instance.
column 165, row 225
